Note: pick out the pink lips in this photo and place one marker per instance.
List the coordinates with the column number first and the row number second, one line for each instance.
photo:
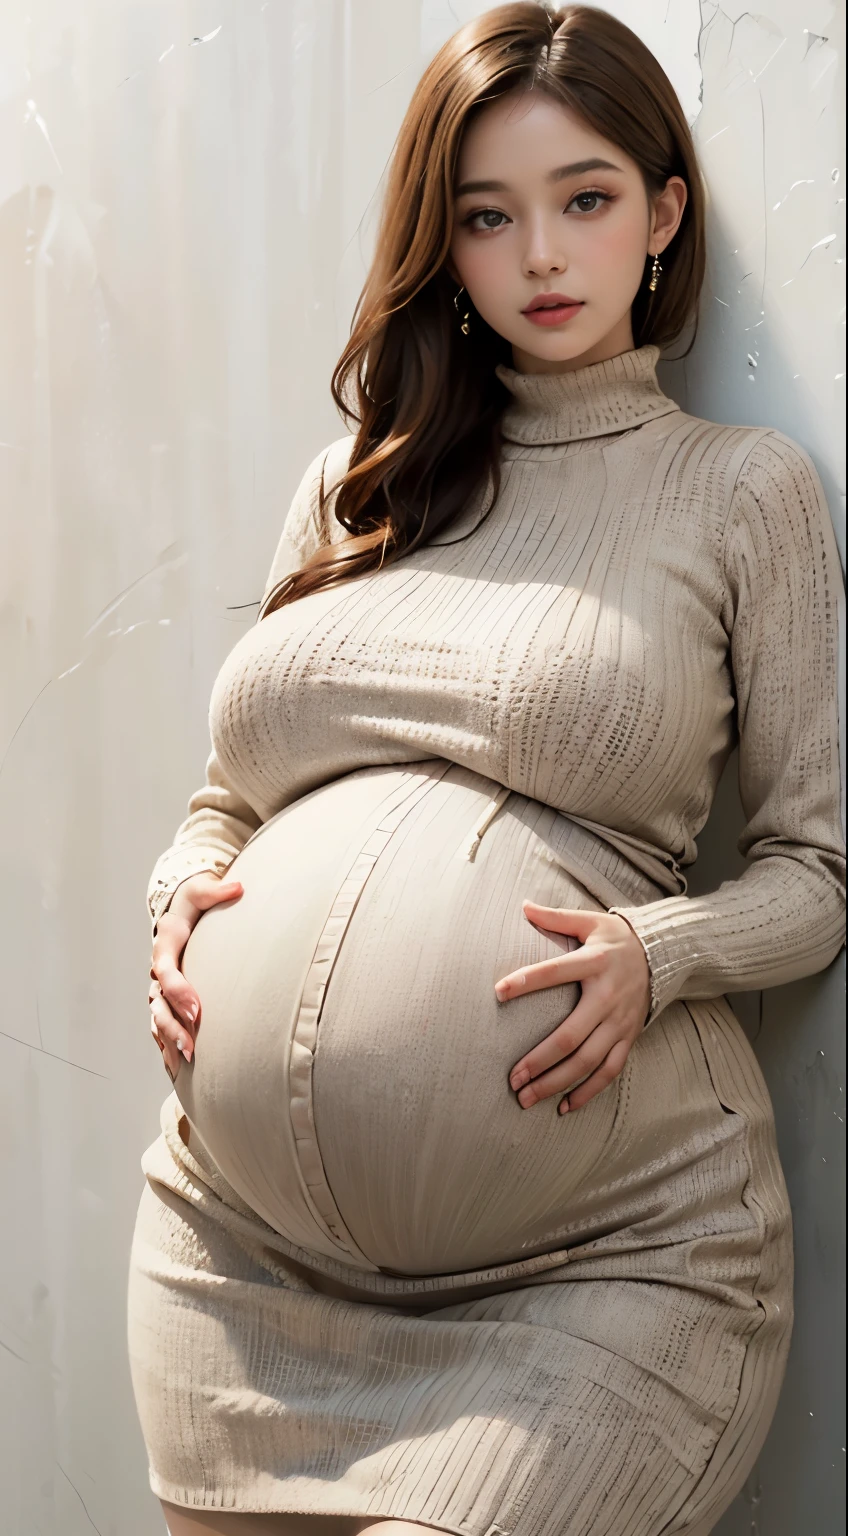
column 549, row 300
column 551, row 308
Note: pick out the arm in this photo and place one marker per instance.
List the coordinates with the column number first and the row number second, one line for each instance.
column 219, row 820
column 784, row 916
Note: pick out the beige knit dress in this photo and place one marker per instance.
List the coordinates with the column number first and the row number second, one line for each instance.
column 364, row 1280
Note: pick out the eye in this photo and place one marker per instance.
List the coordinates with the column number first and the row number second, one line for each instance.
column 490, row 219
column 488, row 216
column 591, row 196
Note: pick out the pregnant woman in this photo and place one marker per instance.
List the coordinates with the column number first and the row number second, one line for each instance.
column 466, row 1214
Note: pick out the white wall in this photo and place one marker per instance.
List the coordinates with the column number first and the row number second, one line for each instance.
column 187, row 197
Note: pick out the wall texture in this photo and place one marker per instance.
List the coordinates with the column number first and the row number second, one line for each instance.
column 187, row 197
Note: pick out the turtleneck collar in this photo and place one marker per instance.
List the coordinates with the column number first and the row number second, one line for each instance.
column 592, row 401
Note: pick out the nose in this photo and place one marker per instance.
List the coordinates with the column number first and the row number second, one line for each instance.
column 543, row 254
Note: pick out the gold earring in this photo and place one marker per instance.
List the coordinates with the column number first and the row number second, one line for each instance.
column 464, row 318
column 655, row 272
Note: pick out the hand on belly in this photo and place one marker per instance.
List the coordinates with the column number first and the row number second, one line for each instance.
column 590, row 1047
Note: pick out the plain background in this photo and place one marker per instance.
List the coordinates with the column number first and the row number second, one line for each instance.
column 187, row 201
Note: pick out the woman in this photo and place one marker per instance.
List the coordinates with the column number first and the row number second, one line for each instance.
column 515, row 625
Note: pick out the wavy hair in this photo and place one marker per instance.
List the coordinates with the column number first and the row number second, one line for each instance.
column 425, row 400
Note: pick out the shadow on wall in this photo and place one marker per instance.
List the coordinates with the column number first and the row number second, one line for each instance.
column 797, row 1029
column 748, row 375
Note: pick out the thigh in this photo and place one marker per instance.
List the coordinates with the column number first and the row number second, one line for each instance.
column 395, row 1528
column 212, row 1522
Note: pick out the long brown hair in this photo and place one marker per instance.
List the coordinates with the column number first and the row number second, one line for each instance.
column 425, row 398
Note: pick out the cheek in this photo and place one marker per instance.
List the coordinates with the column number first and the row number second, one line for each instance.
column 617, row 252
column 481, row 264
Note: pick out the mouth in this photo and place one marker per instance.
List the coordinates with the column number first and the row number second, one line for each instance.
column 551, row 308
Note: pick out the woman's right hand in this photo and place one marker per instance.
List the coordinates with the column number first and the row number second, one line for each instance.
column 174, row 1004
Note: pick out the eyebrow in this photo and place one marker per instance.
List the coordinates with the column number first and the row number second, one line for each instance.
column 561, row 173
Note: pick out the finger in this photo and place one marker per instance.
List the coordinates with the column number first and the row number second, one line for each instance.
column 223, row 892
column 170, row 1054
column 606, row 1073
column 179, row 1032
column 549, row 973
column 174, row 1036
column 178, row 993
column 169, row 1027
column 202, row 897
column 566, row 1074
column 574, row 920
column 561, row 1042
column 161, row 1044
column 171, row 937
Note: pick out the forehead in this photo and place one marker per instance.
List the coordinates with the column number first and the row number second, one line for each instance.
column 531, row 134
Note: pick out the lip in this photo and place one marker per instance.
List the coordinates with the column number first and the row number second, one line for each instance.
column 550, row 298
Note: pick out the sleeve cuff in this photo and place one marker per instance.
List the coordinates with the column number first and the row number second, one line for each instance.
column 165, row 881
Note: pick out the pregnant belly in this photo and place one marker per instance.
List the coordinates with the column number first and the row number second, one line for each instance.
column 350, row 1078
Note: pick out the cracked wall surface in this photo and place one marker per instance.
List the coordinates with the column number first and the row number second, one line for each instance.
column 187, row 200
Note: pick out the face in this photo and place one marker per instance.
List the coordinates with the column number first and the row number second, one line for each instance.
column 546, row 207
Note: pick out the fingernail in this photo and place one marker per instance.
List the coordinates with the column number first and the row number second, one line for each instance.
column 519, row 1078
column 191, row 1012
column 501, row 992
column 562, row 1107
column 526, row 1098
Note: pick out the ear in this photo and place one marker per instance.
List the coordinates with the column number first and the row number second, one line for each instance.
column 667, row 213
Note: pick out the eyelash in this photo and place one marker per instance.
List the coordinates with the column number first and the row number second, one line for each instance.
column 605, row 197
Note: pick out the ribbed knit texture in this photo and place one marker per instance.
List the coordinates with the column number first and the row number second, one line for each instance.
column 363, row 1280
column 650, row 590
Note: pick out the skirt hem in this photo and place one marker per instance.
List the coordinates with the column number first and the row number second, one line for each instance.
column 185, row 1498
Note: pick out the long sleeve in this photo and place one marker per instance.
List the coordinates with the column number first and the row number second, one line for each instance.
column 783, row 917
column 219, row 820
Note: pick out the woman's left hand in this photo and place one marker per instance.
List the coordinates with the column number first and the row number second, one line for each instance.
column 593, row 1043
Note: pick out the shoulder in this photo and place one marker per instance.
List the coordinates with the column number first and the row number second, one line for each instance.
column 778, row 493
column 740, row 450
column 334, row 460
column 704, row 458
column 747, row 470
column 778, row 528
column 776, row 463
column 327, row 468
column 305, row 525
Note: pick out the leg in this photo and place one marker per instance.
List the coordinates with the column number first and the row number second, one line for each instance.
column 203, row 1522
column 395, row 1528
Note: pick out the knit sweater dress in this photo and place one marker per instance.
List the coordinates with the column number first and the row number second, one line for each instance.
column 364, row 1280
